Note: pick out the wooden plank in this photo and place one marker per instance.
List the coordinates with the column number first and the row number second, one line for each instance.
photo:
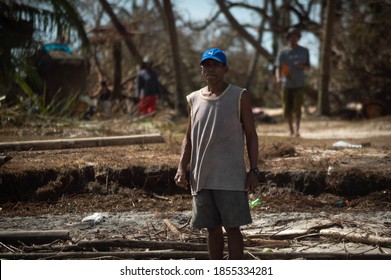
column 77, row 143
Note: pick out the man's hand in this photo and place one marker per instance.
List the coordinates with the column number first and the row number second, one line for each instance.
column 251, row 182
column 180, row 178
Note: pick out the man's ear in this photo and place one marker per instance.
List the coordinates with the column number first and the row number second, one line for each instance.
column 226, row 68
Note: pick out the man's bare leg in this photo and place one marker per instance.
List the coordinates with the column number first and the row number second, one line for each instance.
column 216, row 243
column 290, row 123
column 297, row 132
column 235, row 243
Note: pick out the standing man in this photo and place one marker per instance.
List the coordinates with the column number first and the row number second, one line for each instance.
column 147, row 88
column 290, row 65
column 100, row 97
column 220, row 117
column 105, row 97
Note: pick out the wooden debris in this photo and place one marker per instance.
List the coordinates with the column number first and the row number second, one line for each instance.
column 252, row 241
column 196, row 248
column 160, row 197
column 36, row 237
column 284, row 235
column 151, row 245
column 199, row 255
column 293, row 234
column 173, row 228
column 358, row 237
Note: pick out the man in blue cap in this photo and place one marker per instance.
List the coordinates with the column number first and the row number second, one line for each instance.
column 214, row 147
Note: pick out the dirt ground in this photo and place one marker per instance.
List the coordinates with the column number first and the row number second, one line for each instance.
column 303, row 179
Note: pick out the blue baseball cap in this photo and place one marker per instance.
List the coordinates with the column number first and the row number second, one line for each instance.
column 215, row 54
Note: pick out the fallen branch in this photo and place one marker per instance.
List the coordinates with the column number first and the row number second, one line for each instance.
column 363, row 238
column 293, row 234
column 81, row 142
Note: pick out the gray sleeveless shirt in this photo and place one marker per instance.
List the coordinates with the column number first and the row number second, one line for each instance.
column 217, row 137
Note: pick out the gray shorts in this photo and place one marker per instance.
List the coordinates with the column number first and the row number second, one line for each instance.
column 213, row 208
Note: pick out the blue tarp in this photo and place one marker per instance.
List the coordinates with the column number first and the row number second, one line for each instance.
column 58, row 47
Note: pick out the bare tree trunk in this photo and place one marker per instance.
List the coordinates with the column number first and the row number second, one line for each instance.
column 122, row 31
column 285, row 15
column 252, row 69
column 170, row 23
column 117, row 57
column 323, row 95
column 247, row 36
column 98, row 67
column 254, row 61
column 274, row 24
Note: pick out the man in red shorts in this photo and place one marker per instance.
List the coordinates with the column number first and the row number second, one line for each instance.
column 147, row 88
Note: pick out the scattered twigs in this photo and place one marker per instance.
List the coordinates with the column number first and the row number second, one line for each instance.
column 157, row 233
column 185, row 224
column 252, row 255
column 9, row 247
column 51, row 247
column 160, row 197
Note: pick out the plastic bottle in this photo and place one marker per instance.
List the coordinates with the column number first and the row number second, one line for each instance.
column 254, row 203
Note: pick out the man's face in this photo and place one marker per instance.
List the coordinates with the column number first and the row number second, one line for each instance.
column 213, row 70
column 294, row 38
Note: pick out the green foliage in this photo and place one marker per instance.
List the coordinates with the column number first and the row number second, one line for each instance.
column 37, row 103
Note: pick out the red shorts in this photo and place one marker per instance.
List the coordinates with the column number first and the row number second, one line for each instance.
column 148, row 105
